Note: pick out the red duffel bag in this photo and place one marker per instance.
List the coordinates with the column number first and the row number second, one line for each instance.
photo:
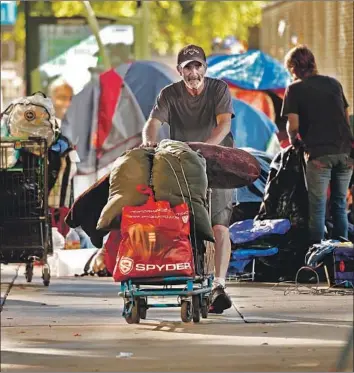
column 155, row 241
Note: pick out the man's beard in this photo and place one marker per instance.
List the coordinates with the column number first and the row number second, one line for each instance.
column 194, row 84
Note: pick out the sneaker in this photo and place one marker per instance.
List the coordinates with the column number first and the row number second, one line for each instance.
column 220, row 300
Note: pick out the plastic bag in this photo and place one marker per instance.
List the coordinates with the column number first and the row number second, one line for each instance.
column 155, row 241
column 32, row 116
column 8, row 154
column 58, row 239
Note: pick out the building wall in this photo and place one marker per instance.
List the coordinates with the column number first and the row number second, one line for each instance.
column 326, row 27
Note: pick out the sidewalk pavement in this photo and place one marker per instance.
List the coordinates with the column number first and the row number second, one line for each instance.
column 76, row 325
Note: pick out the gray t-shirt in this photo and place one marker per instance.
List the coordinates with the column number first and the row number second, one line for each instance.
column 192, row 118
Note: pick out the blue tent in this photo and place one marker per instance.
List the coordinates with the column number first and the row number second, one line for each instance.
column 254, row 192
column 146, row 79
column 252, row 70
column 251, row 127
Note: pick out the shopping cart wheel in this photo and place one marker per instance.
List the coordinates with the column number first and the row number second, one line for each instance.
column 205, row 308
column 186, row 311
column 143, row 308
column 29, row 272
column 196, row 308
column 134, row 316
column 46, row 276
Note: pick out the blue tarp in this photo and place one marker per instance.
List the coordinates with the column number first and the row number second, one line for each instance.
column 249, row 230
column 251, row 127
column 250, row 253
column 252, row 70
column 241, row 257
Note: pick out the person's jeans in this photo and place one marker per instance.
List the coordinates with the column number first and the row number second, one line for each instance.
column 336, row 169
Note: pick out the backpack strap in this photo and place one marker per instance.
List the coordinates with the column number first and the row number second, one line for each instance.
column 7, row 111
column 39, row 92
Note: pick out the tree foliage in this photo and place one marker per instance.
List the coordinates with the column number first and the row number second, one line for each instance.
column 171, row 23
column 175, row 23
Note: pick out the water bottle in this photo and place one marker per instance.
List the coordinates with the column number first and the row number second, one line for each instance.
column 72, row 240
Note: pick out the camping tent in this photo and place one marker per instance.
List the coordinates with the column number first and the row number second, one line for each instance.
column 146, row 79
column 107, row 116
column 254, row 192
column 251, row 127
column 253, row 77
column 84, row 55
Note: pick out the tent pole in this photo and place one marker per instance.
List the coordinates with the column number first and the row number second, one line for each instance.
column 93, row 23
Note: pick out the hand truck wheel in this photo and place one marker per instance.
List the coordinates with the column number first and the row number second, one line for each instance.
column 46, row 276
column 132, row 312
column 205, row 308
column 29, row 272
column 196, row 308
column 186, row 311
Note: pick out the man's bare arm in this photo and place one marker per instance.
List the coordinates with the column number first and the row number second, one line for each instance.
column 150, row 131
column 292, row 127
column 221, row 130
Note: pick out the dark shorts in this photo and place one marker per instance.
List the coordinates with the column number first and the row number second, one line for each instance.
column 221, row 207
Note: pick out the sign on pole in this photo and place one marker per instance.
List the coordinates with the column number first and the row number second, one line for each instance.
column 8, row 13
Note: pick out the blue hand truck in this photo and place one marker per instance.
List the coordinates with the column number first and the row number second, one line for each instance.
column 193, row 293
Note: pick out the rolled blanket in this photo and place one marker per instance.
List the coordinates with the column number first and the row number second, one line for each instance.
column 228, row 168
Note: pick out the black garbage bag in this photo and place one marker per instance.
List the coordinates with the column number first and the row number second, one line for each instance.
column 285, row 195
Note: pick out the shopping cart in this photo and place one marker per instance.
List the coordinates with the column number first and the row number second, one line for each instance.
column 25, row 225
column 192, row 293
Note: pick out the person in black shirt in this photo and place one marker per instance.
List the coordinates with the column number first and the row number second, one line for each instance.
column 318, row 117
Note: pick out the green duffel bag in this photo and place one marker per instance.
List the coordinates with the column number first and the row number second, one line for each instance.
column 131, row 169
column 178, row 175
